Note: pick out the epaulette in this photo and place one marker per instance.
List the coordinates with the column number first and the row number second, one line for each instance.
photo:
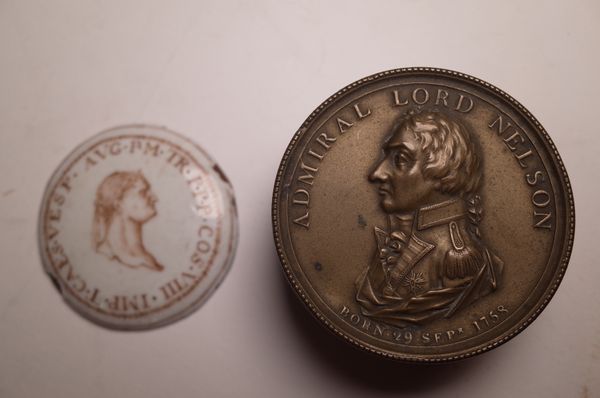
column 462, row 259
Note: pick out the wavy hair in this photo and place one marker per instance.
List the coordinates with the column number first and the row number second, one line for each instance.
column 108, row 196
column 451, row 156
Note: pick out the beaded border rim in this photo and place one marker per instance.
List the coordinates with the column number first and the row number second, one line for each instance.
column 565, row 256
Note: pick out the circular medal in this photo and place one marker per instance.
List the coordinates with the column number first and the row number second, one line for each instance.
column 423, row 214
column 137, row 227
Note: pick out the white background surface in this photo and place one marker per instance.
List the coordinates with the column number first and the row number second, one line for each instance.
column 240, row 78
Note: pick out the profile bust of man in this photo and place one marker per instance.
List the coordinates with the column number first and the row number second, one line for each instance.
column 124, row 202
column 431, row 259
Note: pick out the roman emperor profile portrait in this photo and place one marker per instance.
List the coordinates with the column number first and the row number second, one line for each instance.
column 431, row 259
column 124, row 203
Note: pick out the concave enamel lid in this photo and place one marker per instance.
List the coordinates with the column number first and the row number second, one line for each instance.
column 137, row 227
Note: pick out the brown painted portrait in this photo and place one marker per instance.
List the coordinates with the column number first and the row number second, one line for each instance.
column 124, row 203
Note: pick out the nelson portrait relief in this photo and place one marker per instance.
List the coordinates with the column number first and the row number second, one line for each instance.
column 431, row 259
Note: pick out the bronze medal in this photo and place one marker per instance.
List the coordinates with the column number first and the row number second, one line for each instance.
column 423, row 214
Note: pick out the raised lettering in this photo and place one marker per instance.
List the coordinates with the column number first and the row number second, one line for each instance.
column 544, row 201
column 343, row 125
column 378, row 331
column 538, row 176
column 366, row 324
column 360, row 114
column 415, row 96
column 543, row 220
column 303, row 220
column 315, row 155
column 501, row 127
column 301, row 192
column 460, row 102
column 522, row 156
column 324, row 140
column 442, row 96
column 514, row 140
column 397, row 100
column 307, row 178
column 345, row 311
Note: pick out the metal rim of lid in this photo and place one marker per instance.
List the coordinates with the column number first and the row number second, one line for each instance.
column 568, row 197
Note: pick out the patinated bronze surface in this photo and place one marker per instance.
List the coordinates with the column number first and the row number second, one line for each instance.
column 423, row 214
